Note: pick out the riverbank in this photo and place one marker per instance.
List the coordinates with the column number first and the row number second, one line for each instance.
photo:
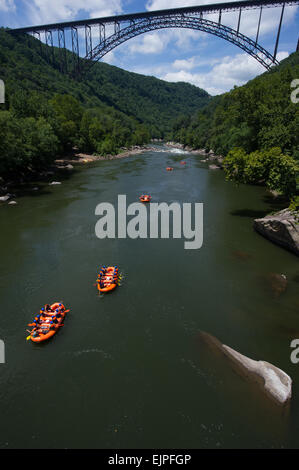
column 83, row 158
column 62, row 166
column 281, row 228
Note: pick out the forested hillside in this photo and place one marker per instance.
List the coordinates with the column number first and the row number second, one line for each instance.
column 256, row 127
column 47, row 112
column 256, row 116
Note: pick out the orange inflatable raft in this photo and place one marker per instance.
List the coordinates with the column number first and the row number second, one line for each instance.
column 48, row 322
column 169, row 168
column 108, row 279
column 145, row 198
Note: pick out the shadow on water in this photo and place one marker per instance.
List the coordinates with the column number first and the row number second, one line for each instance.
column 255, row 214
column 39, row 186
column 276, row 203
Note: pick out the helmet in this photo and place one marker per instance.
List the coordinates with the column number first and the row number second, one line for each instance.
column 43, row 309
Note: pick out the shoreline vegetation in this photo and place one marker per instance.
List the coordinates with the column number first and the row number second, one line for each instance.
column 63, row 163
column 281, row 227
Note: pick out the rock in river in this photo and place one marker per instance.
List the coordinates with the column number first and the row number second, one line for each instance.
column 278, row 283
column 274, row 382
column 281, row 228
column 55, row 183
column 4, row 198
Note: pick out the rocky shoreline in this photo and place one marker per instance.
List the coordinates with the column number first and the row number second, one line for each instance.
column 210, row 157
column 281, row 228
column 82, row 158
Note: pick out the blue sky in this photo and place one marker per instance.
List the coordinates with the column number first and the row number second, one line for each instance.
column 173, row 55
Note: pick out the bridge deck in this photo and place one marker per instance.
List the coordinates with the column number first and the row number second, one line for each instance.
column 212, row 8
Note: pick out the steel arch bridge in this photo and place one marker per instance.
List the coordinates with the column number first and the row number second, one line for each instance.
column 126, row 27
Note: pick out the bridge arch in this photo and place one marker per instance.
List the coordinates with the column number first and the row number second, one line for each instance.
column 186, row 22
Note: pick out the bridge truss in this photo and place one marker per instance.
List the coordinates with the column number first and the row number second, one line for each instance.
column 114, row 31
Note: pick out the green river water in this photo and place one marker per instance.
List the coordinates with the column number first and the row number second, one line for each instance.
column 129, row 370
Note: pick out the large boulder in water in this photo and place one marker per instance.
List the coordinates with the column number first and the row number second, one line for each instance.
column 274, row 382
column 281, row 228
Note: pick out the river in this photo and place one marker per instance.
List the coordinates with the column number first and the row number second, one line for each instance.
column 129, row 370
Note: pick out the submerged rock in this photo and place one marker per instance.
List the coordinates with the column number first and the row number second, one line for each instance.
column 281, row 228
column 214, row 167
column 55, row 183
column 241, row 255
column 12, row 203
column 274, row 382
column 278, row 283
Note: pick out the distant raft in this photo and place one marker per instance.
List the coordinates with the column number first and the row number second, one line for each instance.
column 108, row 279
column 183, row 163
column 169, row 168
column 145, row 198
column 48, row 322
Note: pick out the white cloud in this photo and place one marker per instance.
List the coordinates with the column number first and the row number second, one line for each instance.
column 224, row 75
column 153, row 43
column 157, row 42
column 184, row 64
column 7, row 5
column 43, row 11
column 110, row 58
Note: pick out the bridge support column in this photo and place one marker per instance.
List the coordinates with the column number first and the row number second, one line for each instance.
column 75, row 48
column 239, row 21
column 50, row 48
column 62, row 50
column 37, row 36
column 102, row 33
column 88, row 40
column 259, row 25
column 278, row 32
